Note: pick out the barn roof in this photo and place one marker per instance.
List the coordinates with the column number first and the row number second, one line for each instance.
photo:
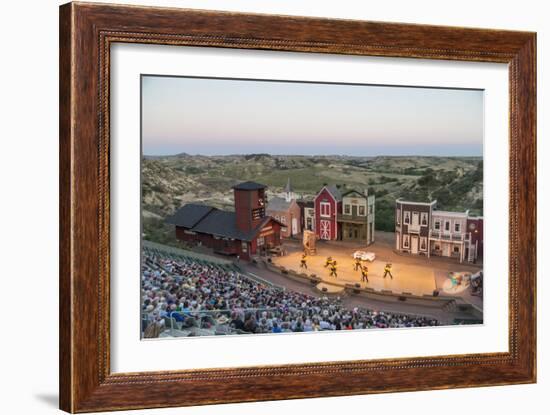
column 224, row 224
column 212, row 221
column 249, row 186
column 189, row 215
column 221, row 223
column 334, row 191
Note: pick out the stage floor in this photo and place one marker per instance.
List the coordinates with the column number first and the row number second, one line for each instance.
column 407, row 278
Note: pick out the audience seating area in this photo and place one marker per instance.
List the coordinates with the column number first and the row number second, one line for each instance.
column 183, row 295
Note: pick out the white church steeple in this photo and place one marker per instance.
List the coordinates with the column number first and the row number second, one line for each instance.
column 289, row 194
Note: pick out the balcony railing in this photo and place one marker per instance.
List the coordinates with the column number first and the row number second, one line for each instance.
column 449, row 236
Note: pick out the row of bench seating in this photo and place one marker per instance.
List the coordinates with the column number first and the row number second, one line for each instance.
column 190, row 259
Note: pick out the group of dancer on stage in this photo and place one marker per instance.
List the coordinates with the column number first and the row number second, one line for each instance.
column 358, row 266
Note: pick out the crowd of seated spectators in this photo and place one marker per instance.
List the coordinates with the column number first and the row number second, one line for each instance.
column 199, row 295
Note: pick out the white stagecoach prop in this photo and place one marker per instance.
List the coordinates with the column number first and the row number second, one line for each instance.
column 364, row 256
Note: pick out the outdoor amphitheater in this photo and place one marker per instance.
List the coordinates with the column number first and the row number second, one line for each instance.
column 185, row 293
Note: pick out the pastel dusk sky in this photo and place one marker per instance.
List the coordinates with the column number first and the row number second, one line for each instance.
column 213, row 116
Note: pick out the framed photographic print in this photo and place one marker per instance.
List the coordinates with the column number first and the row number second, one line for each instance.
column 259, row 207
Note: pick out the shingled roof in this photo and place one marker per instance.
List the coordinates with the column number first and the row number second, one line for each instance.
column 278, row 204
column 221, row 223
column 212, row 221
column 189, row 215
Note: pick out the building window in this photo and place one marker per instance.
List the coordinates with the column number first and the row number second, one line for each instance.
column 457, row 226
column 325, row 209
column 405, row 241
column 437, row 225
column 456, row 249
column 283, row 219
column 407, row 218
column 437, row 247
column 370, row 209
column 361, row 210
column 243, row 246
column 347, row 209
column 261, row 241
column 424, row 219
column 398, row 219
column 422, row 244
column 447, row 226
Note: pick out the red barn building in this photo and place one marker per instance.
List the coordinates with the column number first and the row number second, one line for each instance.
column 327, row 206
column 243, row 232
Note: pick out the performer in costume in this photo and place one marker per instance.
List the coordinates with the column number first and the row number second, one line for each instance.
column 357, row 264
column 333, row 270
column 328, row 261
column 303, row 261
column 387, row 270
column 365, row 274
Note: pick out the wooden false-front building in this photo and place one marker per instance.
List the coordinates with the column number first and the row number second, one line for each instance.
column 244, row 232
column 347, row 216
column 421, row 229
column 356, row 218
